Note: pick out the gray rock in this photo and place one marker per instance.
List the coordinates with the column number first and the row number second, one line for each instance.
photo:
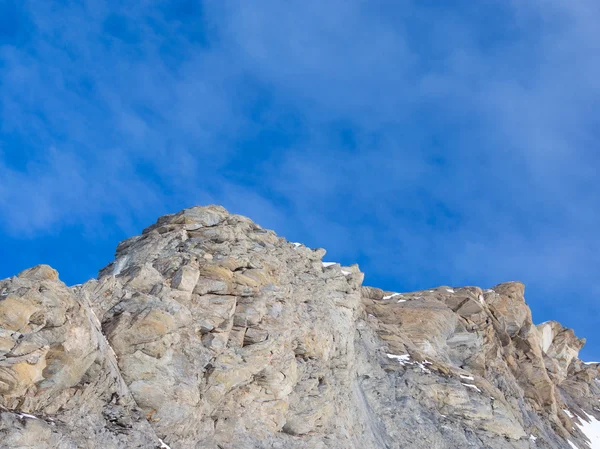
column 208, row 331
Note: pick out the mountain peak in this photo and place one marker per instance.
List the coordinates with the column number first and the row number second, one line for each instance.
column 210, row 331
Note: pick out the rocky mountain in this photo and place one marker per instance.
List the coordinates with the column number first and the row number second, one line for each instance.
column 208, row 331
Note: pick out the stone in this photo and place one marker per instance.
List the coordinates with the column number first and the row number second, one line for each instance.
column 186, row 278
column 208, row 331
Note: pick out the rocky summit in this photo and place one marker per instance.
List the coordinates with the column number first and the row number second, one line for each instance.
column 208, row 331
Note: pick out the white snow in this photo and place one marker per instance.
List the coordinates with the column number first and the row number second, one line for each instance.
column 547, row 336
column 119, row 265
column 402, row 358
column 346, row 273
column 572, row 445
column 328, row 264
column 20, row 415
column 569, row 414
column 591, row 429
column 296, row 244
column 466, row 377
column 532, row 437
column 449, row 290
column 481, row 299
column 27, row 415
column 402, row 300
column 422, row 366
column 392, row 295
column 474, row 387
column 163, row 445
column 591, row 363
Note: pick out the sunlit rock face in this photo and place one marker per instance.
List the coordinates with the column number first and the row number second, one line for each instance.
column 208, row 331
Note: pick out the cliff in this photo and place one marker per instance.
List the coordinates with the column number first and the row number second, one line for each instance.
column 208, row 331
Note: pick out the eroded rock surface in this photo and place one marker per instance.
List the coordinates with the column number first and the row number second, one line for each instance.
column 208, row 331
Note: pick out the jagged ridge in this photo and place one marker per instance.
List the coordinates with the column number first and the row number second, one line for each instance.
column 216, row 333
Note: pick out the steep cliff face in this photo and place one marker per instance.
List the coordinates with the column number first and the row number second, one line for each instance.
column 208, row 331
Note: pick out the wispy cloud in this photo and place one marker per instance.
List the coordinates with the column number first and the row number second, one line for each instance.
column 431, row 143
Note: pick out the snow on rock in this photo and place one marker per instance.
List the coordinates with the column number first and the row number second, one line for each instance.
column 569, row 414
column 402, row 358
column 120, row 264
column 392, row 295
column 449, row 290
column 474, row 387
column 422, row 366
column 18, row 414
column 330, row 264
column 163, row 445
column 590, row 427
column 402, row 300
column 462, row 376
column 532, row 437
column 296, row 244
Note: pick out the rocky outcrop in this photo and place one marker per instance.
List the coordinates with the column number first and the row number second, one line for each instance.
column 208, row 331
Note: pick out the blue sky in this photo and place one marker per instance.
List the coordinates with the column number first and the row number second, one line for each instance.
column 434, row 143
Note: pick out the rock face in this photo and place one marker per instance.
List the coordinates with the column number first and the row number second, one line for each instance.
column 208, row 331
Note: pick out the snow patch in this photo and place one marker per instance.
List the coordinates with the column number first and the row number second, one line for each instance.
column 402, row 358
column 449, row 290
column 422, row 366
column 392, row 295
column 481, row 299
column 296, row 244
column 163, row 445
column 474, row 387
column 19, row 415
column 547, row 337
column 328, row 264
column 27, row 415
column 532, row 438
column 402, row 300
column 591, row 429
column 591, row 363
column 119, row 265
column 346, row 273
column 569, row 414
column 462, row 376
